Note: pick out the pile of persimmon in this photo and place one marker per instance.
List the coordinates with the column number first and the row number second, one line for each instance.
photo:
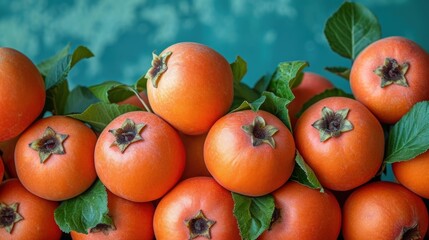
column 170, row 170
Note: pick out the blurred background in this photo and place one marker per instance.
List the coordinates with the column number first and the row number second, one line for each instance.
column 122, row 34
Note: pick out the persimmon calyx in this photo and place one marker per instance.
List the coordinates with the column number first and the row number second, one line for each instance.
column 332, row 123
column 199, row 226
column 410, row 233
column 392, row 72
column 159, row 66
column 260, row 132
column 50, row 143
column 128, row 133
column 9, row 216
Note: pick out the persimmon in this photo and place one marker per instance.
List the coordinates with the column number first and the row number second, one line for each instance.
column 311, row 85
column 389, row 76
column 139, row 156
column 413, row 174
column 384, row 210
column 304, row 213
column 7, row 152
column 22, row 93
column 54, row 158
column 251, row 153
column 24, row 215
column 190, row 85
column 196, row 208
column 342, row 141
column 1, row 169
column 130, row 220
column 195, row 165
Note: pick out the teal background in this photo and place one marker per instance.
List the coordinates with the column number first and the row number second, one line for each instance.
column 122, row 34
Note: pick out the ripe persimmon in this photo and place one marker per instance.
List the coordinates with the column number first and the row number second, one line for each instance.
column 304, row 213
column 130, row 220
column 54, row 158
column 195, row 165
column 389, row 76
column 198, row 208
column 139, row 156
column 413, row 174
column 311, row 85
column 190, row 85
column 342, row 141
column 22, row 93
column 24, row 215
column 251, row 153
column 7, row 152
column 384, row 210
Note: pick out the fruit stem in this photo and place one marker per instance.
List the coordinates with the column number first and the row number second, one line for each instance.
column 138, row 97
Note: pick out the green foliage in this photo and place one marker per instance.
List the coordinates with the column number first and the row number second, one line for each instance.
column 253, row 214
column 303, row 174
column 343, row 72
column 284, row 78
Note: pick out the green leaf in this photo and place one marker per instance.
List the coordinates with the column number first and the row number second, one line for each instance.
column 242, row 92
column 284, row 77
column 140, row 84
column 46, row 65
column 303, row 174
column 78, row 100
column 84, row 211
column 56, row 98
column 111, row 91
column 343, row 72
column 333, row 92
column 239, row 69
column 254, row 106
column 60, row 69
column 277, row 106
column 409, row 137
column 351, row 28
column 262, row 84
column 98, row 115
column 253, row 214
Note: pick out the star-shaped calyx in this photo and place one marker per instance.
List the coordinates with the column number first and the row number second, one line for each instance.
column 392, row 72
column 260, row 132
column 50, row 143
column 127, row 134
column 332, row 123
column 9, row 216
column 199, row 225
column 159, row 66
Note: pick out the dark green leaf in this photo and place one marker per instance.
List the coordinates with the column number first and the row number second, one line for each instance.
column 254, row 106
column 351, row 28
column 253, row 214
column 298, row 80
column 84, row 211
column 46, row 65
column 262, row 84
column 79, row 99
column 333, row 92
column 98, row 115
column 409, row 137
column 343, row 72
column 140, row 84
column 277, row 106
column 239, row 69
column 79, row 54
column 56, row 98
column 111, row 91
column 303, row 174
column 242, row 92
column 284, row 77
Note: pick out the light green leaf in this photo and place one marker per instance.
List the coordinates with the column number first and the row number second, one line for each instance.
column 253, row 214
column 351, row 28
column 84, row 211
column 409, row 137
column 303, row 174
column 111, row 91
column 284, row 78
column 46, row 65
column 254, row 106
column 277, row 106
column 98, row 115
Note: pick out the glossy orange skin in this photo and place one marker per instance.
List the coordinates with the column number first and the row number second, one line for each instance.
column 390, row 103
column 63, row 176
column 345, row 162
column 305, row 213
column 381, row 210
column 132, row 221
column 147, row 169
column 311, row 85
column 196, row 89
column 195, row 165
column 22, row 93
column 241, row 167
column 38, row 213
column 185, row 200
column 413, row 174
